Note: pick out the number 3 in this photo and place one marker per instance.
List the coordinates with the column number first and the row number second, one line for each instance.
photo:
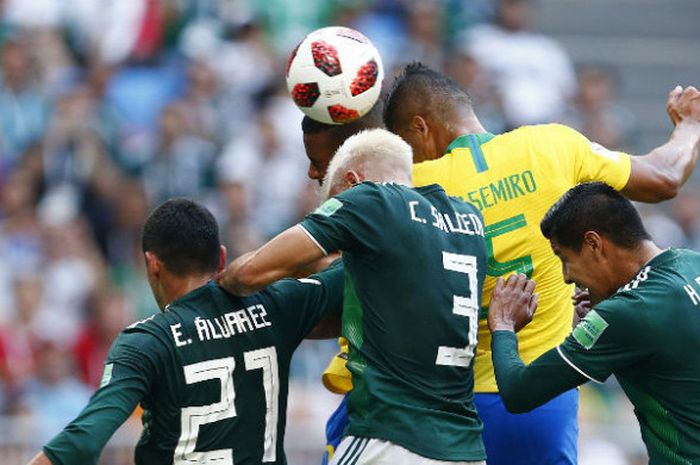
column 193, row 417
column 463, row 306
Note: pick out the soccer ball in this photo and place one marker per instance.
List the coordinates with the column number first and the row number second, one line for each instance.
column 335, row 75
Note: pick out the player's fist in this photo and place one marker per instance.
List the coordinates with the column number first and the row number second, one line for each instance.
column 684, row 104
column 513, row 303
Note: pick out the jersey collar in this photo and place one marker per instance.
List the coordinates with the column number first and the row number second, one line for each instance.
column 465, row 140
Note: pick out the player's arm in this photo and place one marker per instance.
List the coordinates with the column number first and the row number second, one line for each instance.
column 659, row 174
column 40, row 459
column 123, row 386
column 523, row 387
column 609, row 338
column 284, row 256
column 349, row 221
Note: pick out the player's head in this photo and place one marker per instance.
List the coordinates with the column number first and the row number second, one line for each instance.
column 371, row 155
column 322, row 140
column 429, row 110
column 180, row 242
column 587, row 228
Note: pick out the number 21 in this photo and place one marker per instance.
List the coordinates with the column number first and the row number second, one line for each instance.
column 193, row 417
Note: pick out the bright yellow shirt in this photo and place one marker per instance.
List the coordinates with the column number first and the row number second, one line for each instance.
column 513, row 179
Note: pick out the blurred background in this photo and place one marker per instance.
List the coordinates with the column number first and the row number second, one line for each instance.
column 109, row 107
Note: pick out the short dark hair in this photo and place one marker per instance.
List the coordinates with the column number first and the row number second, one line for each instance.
column 184, row 235
column 419, row 86
column 371, row 120
column 593, row 206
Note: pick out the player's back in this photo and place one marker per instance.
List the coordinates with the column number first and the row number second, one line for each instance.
column 662, row 306
column 219, row 368
column 513, row 179
column 415, row 263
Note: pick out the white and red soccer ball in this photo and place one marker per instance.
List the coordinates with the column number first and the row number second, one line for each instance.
column 335, row 75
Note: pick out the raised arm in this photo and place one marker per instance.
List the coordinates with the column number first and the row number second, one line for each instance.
column 659, row 174
column 284, row 256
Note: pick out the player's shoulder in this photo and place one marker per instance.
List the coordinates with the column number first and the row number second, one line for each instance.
column 540, row 134
column 652, row 288
column 279, row 291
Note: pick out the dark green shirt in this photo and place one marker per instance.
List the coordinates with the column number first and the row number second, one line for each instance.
column 415, row 262
column 211, row 374
column 648, row 336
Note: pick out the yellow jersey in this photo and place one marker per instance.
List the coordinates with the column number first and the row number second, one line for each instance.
column 513, row 179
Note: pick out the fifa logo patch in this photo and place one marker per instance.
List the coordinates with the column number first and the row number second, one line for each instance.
column 329, row 207
column 107, row 375
column 589, row 330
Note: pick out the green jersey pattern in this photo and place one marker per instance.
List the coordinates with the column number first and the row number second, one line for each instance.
column 211, row 374
column 415, row 262
column 648, row 335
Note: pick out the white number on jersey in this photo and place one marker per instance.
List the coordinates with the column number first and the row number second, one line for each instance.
column 192, row 418
column 463, row 306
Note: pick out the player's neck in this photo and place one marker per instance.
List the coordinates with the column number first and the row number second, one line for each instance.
column 461, row 127
column 633, row 260
column 175, row 287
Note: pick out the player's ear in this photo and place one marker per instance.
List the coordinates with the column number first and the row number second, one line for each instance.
column 352, row 177
column 153, row 265
column 593, row 241
column 419, row 125
column 222, row 259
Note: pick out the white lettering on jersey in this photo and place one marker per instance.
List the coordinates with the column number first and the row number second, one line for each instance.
column 452, row 222
column 177, row 335
column 692, row 292
column 229, row 324
column 412, row 206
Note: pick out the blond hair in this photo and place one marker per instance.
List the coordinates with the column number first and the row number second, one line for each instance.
column 377, row 154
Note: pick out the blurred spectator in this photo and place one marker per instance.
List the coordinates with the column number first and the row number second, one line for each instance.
column 237, row 233
column 23, row 107
column 73, row 151
column 594, row 112
column 74, row 267
column 53, row 380
column 209, row 106
column 686, row 212
column 21, row 245
column 532, row 73
column 662, row 228
column 138, row 95
column 108, row 314
column 17, row 339
column 425, row 40
column 466, row 72
column 270, row 164
column 244, row 65
column 181, row 163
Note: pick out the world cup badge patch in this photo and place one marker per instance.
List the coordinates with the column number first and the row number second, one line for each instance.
column 329, row 207
column 589, row 330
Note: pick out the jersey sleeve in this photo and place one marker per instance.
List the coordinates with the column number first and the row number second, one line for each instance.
column 129, row 370
column 350, row 221
column 302, row 303
column 608, row 339
column 525, row 387
column 585, row 160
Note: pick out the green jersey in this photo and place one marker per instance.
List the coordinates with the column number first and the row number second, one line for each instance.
column 415, row 262
column 647, row 335
column 211, row 374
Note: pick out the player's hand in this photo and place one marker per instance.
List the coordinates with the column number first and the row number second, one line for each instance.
column 582, row 302
column 513, row 303
column 683, row 104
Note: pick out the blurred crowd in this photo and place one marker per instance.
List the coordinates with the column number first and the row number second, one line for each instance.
column 107, row 108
